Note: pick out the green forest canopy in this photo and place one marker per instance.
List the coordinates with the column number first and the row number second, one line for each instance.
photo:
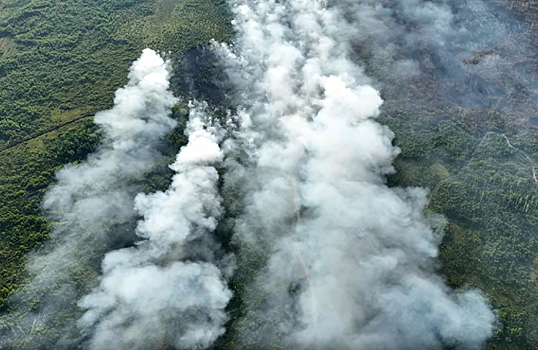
column 62, row 60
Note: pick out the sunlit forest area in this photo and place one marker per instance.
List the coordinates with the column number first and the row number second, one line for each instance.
column 62, row 60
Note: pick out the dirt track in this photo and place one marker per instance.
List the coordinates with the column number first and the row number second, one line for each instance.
column 84, row 116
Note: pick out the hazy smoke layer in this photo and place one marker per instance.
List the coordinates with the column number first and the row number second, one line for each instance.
column 350, row 262
column 92, row 202
column 167, row 291
column 474, row 51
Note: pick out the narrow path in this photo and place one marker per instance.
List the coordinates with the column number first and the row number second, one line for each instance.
column 525, row 155
column 6, row 148
column 487, row 132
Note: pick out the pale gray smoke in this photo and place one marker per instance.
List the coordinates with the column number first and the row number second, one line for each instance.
column 167, row 290
column 350, row 261
column 92, row 204
column 472, row 49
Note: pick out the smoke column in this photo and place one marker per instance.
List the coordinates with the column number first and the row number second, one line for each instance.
column 167, row 290
column 92, row 202
column 94, row 196
column 350, row 262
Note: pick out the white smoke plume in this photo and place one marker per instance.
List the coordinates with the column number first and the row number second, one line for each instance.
column 92, row 202
column 97, row 194
column 350, row 262
column 167, row 290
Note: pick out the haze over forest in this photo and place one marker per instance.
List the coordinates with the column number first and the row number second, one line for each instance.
column 268, row 174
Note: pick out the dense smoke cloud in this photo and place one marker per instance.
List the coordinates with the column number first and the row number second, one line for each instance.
column 94, row 196
column 161, row 282
column 92, row 202
column 350, row 261
column 167, row 290
column 345, row 262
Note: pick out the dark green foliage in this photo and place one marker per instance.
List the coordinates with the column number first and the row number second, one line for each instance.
column 480, row 176
column 60, row 62
column 67, row 55
column 26, row 171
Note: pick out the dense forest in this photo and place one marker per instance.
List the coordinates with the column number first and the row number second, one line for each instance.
column 62, row 60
